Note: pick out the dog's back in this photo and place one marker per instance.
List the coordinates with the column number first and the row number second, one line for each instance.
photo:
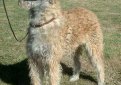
column 81, row 26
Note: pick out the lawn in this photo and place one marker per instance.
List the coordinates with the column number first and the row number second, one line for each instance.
column 13, row 60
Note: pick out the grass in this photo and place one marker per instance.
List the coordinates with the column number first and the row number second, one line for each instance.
column 13, row 60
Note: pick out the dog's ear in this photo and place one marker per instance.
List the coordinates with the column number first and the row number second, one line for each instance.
column 27, row 4
column 52, row 1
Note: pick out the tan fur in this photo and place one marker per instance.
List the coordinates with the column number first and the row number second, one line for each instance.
column 66, row 34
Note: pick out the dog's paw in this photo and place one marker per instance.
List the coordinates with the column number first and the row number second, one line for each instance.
column 74, row 78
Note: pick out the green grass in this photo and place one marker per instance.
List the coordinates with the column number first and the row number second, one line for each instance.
column 13, row 63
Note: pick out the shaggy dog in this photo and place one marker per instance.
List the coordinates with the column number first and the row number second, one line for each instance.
column 54, row 33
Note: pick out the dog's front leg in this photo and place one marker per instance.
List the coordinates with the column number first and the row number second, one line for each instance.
column 34, row 72
column 54, row 72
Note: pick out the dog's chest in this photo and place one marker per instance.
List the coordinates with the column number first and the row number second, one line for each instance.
column 38, row 45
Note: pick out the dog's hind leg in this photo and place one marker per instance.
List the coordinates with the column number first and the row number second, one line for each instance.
column 94, row 50
column 77, row 64
column 34, row 73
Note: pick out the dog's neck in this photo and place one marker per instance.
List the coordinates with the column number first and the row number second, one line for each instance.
column 42, row 24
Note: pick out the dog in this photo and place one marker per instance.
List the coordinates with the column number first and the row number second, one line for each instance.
column 54, row 33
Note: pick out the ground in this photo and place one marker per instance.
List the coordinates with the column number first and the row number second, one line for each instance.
column 13, row 60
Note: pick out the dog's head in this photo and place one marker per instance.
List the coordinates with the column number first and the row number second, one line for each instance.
column 42, row 11
column 28, row 4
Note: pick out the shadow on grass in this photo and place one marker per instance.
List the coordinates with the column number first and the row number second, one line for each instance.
column 16, row 74
column 68, row 71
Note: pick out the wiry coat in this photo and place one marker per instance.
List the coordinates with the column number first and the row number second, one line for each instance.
column 66, row 33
